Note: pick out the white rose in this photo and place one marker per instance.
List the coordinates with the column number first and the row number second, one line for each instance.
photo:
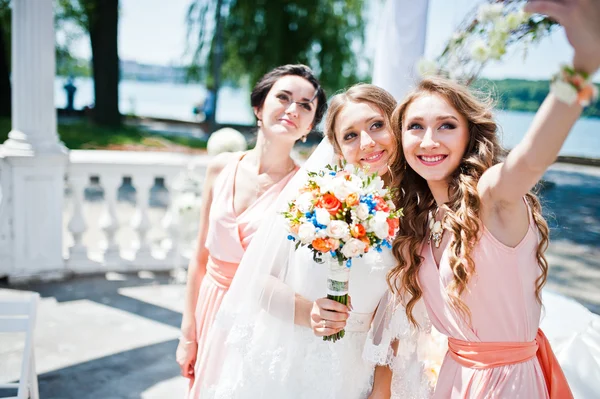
column 342, row 188
column 480, row 51
column 564, row 92
column 323, row 217
column 378, row 225
column 353, row 248
column 338, row 229
column 304, row 202
column 306, row 233
column 427, row 67
column 325, row 183
column 375, row 186
column 362, row 211
column 489, row 12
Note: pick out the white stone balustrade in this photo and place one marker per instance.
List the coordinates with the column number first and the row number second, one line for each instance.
column 114, row 253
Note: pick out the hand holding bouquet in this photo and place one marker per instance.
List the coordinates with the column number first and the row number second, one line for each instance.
column 341, row 214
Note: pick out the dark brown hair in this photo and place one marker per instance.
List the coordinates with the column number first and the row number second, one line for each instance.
column 264, row 85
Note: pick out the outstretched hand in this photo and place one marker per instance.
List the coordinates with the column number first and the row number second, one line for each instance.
column 581, row 20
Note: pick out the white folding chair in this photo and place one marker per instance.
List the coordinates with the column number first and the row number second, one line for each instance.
column 18, row 315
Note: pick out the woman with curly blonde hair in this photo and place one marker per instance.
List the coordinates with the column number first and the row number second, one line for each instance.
column 473, row 237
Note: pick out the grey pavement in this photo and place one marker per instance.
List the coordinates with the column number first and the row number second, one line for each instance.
column 114, row 335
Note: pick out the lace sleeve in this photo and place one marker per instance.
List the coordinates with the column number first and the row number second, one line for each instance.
column 414, row 354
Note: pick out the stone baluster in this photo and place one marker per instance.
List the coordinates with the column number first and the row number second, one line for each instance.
column 140, row 221
column 78, row 257
column 109, row 222
column 170, row 223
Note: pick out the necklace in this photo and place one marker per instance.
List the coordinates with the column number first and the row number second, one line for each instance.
column 436, row 229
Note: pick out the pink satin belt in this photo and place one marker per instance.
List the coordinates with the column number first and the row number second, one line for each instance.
column 221, row 273
column 484, row 355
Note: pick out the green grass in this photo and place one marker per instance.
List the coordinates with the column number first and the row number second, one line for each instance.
column 83, row 135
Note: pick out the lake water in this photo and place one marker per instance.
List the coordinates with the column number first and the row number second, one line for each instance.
column 176, row 101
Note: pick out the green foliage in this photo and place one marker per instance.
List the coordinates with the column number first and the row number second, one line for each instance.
column 523, row 95
column 260, row 35
column 5, row 25
column 83, row 135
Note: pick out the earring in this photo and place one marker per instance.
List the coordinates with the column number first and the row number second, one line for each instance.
column 303, row 138
column 259, row 123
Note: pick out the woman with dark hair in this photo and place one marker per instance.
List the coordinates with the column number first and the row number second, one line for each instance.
column 238, row 189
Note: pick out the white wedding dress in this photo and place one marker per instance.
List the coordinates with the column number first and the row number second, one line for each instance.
column 255, row 350
column 318, row 369
column 574, row 333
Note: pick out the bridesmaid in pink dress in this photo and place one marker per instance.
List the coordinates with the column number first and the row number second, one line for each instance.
column 238, row 190
column 473, row 237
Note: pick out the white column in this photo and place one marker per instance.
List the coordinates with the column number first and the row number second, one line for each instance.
column 5, row 236
column 36, row 156
column 400, row 44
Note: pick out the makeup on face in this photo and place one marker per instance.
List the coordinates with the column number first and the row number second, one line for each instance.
column 364, row 136
column 434, row 137
column 289, row 108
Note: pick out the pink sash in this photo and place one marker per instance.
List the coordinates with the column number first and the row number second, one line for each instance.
column 484, row 355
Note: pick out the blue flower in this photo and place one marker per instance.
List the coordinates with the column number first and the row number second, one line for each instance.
column 291, row 238
column 368, row 200
column 349, row 262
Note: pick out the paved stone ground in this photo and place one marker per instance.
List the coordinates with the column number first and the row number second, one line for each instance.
column 114, row 336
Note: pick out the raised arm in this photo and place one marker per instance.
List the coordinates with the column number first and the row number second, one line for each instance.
column 504, row 185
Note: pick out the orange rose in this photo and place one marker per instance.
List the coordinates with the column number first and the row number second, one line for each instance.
column 330, row 203
column 352, row 199
column 381, row 205
column 358, row 231
column 322, row 244
column 393, row 224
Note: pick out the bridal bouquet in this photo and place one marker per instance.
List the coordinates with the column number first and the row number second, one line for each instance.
column 340, row 214
column 486, row 34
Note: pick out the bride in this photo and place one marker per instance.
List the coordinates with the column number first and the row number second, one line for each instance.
column 266, row 341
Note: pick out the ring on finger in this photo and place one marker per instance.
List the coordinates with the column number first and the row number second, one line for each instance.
column 324, row 323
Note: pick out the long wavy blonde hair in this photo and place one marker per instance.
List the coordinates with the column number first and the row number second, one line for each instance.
column 463, row 208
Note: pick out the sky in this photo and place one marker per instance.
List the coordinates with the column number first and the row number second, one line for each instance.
column 154, row 31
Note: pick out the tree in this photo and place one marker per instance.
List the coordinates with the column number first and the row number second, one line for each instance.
column 5, row 90
column 100, row 19
column 260, row 35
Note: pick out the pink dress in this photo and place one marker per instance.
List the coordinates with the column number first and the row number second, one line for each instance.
column 228, row 237
column 502, row 301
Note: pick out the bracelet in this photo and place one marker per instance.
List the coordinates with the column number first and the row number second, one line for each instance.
column 185, row 341
column 571, row 87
